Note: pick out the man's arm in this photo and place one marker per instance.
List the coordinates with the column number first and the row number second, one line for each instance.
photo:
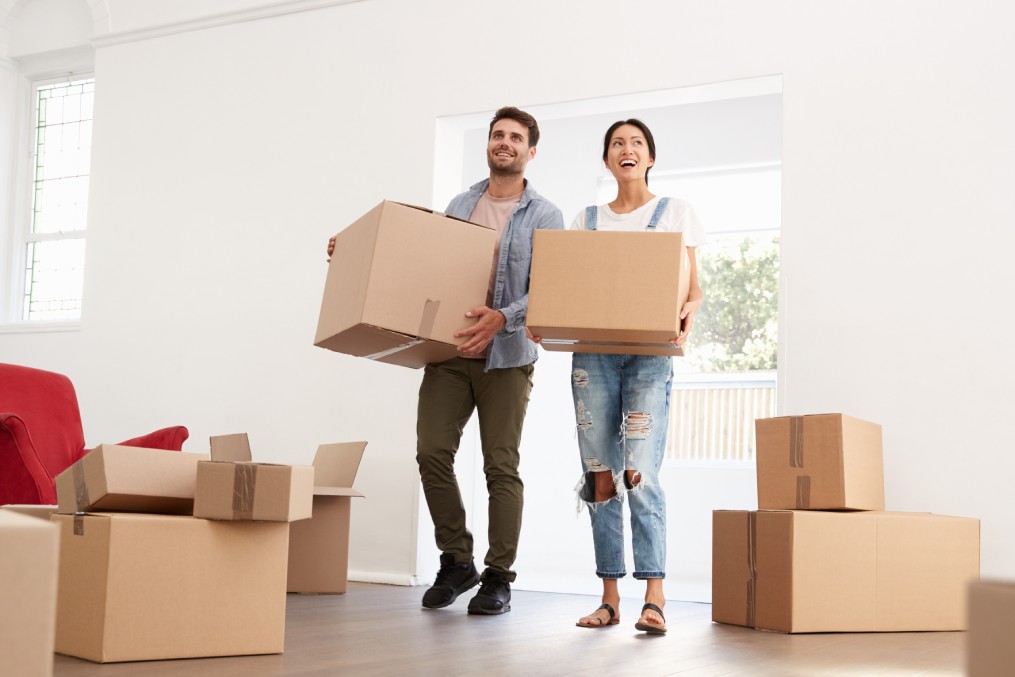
column 515, row 313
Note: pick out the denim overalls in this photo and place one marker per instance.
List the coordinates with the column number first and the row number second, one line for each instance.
column 622, row 405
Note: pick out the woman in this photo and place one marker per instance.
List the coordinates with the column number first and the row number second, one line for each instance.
column 622, row 401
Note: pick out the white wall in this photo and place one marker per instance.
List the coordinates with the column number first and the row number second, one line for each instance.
column 226, row 156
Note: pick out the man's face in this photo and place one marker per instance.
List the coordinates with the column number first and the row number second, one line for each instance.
column 507, row 151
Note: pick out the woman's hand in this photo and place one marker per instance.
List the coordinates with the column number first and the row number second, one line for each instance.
column 687, row 314
column 331, row 247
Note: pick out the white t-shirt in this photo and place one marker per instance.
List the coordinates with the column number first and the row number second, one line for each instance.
column 678, row 217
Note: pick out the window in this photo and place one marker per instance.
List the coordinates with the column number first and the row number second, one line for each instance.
column 51, row 246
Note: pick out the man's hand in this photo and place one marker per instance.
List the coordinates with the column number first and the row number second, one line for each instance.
column 331, row 247
column 490, row 322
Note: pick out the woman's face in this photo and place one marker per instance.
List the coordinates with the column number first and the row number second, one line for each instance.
column 627, row 156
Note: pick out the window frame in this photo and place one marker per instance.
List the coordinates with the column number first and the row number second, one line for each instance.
column 31, row 72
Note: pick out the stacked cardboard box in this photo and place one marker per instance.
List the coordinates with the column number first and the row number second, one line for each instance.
column 139, row 581
column 821, row 555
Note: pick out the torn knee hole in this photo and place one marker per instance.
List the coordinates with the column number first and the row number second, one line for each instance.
column 605, row 487
column 580, row 378
column 632, row 478
column 637, row 425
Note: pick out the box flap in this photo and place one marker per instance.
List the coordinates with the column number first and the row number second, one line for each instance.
column 230, row 447
column 335, row 465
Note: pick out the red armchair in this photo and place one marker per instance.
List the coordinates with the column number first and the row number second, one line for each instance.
column 41, row 434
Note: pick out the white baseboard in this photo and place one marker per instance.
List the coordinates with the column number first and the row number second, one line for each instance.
column 383, row 577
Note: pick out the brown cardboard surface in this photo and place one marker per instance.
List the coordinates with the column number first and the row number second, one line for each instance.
column 990, row 647
column 607, row 292
column 40, row 511
column 819, row 462
column 146, row 587
column 29, row 554
column 400, row 282
column 231, row 487
column 129, row 479
column 812, row 571
column 319, row 547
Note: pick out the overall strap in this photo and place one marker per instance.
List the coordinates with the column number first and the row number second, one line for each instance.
column 590, row 217
column 658, row 213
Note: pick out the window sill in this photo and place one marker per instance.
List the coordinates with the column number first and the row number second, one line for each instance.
column 40, row 327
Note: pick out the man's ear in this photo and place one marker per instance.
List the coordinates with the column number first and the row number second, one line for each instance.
column 532, row 153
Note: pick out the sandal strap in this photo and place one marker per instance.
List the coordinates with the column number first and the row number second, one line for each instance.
column 609, row 610
column 650, row 606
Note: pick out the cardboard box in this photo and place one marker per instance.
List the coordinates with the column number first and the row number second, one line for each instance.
column 145, row 587
column 29, row 554
column 811, row 571
column 319, row 547
column 990, row 649
column 39, row 511
column 608, row 292
column 819, row 462
column 230, row 487
column 400, row 282
column 129, row 479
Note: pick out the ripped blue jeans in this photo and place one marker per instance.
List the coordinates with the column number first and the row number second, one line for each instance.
column 622, row 405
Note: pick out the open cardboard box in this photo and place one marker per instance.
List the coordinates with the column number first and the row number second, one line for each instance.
column 231, row 487
column 814, row 571
column 129, row 479
column 29, row 555
column 608, row 291
column 145, row 587
column 400, row 282
column 819, row 462
column 319, row 547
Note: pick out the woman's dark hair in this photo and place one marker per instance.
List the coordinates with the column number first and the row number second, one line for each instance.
column 645, row 131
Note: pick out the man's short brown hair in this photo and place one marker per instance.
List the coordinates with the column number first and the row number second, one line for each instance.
column 520, row 116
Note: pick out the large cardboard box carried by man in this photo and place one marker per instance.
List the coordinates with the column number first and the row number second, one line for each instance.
column 400, row 282
column 813, row 571
column 607, row 291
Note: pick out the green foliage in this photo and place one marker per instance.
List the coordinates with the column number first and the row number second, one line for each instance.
column 736, row 327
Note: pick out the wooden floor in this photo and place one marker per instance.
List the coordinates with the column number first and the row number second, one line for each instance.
column 382, row 630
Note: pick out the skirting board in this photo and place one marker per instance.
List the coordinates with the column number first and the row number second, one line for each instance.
column 383, row 577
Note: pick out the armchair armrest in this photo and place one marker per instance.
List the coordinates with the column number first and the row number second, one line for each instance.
column 170, row 439
column 23, row 477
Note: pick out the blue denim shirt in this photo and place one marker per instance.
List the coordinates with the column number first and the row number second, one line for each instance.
column 511, row 347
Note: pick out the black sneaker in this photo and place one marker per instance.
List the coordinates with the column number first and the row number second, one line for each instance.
column 452, row 580
column 494, row 596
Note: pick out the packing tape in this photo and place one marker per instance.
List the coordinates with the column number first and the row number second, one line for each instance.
column 80, row 488
column 244, row 480
column 796, row 441
column 79, row 524
column 391, row 351
column 803, row 491
column 429, row 317
column 752, row 563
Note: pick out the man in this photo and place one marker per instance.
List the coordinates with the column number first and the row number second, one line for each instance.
column 493, row 375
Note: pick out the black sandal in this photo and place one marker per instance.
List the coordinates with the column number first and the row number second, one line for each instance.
column 651, row 628
column 600, row 623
